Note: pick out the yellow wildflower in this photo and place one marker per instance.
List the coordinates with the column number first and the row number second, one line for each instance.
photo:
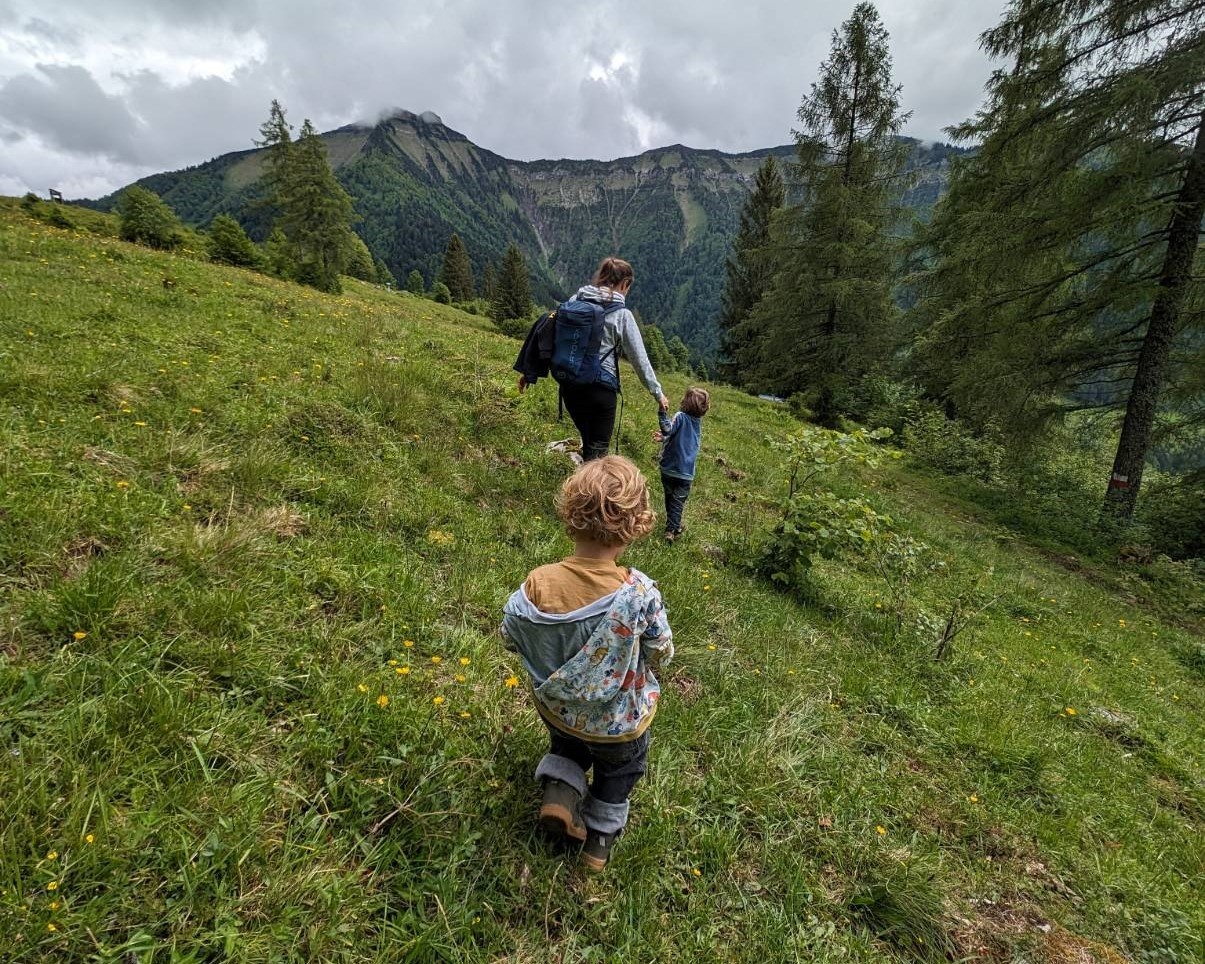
column 974, row 798
column 696, row 871
column 53, row 855
column 78, row 635
column 403, row 671
column 362, row 688
column 53, row 885
column 464, row 661
column 459, row 677
column 437, row 660
column 438, row 701
column 465, row 715
column 393, row 662
column 880, row 830
column 1070, row 711
column 511, row 682
column 123, row 484
column 50, row 928
column 408, row 643
column 89, row 838
column 382, row 701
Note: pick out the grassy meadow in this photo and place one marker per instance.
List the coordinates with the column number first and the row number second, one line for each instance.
column 254, row 543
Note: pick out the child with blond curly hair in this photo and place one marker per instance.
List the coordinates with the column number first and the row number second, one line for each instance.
column 591, row 633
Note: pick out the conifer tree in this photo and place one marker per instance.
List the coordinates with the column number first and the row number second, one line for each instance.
column 277, row 139
column 384, row 275
column 359, row 260
column 489, row 282
column 415, row 283
column 750, row 269
column 316, row 213
column 828, row 317
column 457, row 272
column 514, row 287
column 1062, row 263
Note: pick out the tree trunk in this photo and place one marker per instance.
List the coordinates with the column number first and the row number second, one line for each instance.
column 1141, row 408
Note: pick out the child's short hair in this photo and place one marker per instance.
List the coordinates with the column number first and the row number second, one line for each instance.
column 606, row 500
column 695, row 402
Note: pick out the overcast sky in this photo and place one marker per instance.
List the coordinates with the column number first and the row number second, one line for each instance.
column 96, row 93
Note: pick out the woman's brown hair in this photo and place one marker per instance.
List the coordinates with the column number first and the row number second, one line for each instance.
column 612, row 272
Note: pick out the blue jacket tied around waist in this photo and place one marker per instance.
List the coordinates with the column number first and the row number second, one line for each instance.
column 680, row 449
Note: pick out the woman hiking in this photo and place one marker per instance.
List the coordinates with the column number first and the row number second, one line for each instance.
column 592, row 406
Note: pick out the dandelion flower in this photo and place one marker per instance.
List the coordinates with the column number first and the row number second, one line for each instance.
column 53, row 855
column 53, row 885
column 464, row 661
column 408, row 643
column 438, row 701
column 696, row 871
column 382, row 701
column 511, row 682
column 880, row 830
column 54, row 905
column 78, row 635
column 403, row 671
column 711, row 646
column 974, row 798
column 362, row 688
column 393, row 662
column 1070, row 711
column 50, row 928
column 89, row 838
column 437, row 660
column 123, row 484
column 196, row 411
column 459, row 677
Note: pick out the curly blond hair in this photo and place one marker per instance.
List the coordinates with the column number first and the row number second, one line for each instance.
column 607, row 501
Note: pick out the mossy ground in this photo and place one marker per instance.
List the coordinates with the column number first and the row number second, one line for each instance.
column 254, row 542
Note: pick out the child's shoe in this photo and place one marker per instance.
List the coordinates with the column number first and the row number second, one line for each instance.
column 597, row 850
column 560, row 813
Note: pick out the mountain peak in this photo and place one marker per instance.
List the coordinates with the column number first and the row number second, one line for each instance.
column 407, row 116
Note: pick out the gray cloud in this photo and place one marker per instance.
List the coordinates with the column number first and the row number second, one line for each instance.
column 142, row 86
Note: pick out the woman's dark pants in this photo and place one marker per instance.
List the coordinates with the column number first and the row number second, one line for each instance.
column 592, row 408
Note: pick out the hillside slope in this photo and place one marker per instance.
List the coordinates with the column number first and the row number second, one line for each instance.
column 254, row 541
column 671, row 211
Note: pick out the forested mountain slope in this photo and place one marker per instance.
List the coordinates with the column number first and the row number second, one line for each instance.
column 671, row 211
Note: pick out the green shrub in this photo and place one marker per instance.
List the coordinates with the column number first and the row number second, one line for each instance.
column 145, row 219
column 440, row 294
column 1173, row 512
column 514, row 327
column 949, row 447
column 229, row 244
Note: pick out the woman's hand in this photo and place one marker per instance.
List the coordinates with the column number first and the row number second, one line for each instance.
column 663, row 402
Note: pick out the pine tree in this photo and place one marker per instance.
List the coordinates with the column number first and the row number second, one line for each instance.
column 359, row 260
column 415, row 283
column 829, row 317
column 384, row 275
column 514, row 287
column 1061, row 267
column 316, row 213
column 229, row 244
column 749, row 272
column 489, row 282
column 457, row 272
column 277, row 139
column 278, row 254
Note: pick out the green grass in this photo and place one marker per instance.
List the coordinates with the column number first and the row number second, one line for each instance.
column 261, row 503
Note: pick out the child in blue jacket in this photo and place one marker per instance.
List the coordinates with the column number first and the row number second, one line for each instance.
column 680, row 437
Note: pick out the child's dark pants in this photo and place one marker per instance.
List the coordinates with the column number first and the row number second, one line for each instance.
column 676, row 491
column 617, row 766
column 592, row 408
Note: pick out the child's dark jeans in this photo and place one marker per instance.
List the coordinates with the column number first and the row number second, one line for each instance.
column 676, row 491
column 617, row 766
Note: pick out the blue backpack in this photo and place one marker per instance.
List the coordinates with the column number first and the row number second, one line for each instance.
column 577, row 343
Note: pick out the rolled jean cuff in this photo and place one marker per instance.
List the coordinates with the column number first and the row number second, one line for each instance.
column 553, row 767
column 604, row 817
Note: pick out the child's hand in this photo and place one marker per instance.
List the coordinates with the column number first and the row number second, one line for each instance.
column 658, row 437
